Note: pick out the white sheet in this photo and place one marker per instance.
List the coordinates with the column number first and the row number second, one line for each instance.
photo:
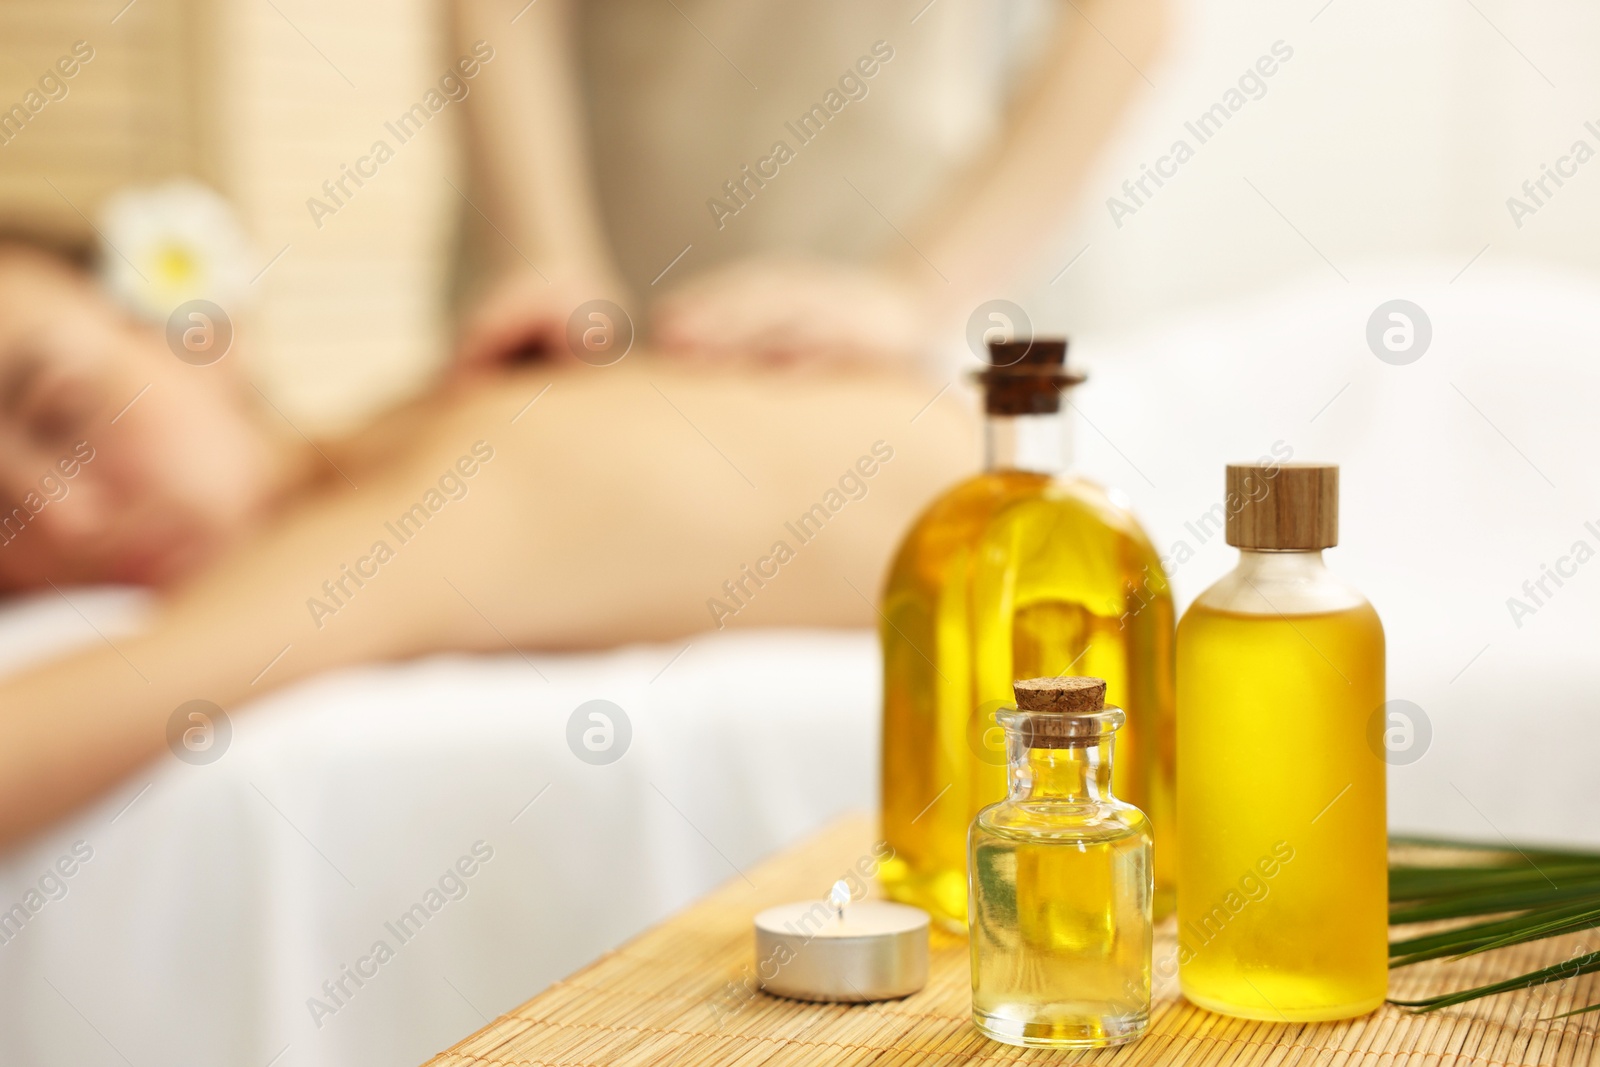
column 219, row 898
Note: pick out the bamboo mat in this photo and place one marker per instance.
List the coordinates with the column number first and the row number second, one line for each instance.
column 672, row 996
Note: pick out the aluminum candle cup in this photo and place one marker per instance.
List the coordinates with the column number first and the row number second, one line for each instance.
column 840, row 951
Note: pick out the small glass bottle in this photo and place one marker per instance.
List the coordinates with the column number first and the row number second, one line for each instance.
column 1059, row 906
column 1282, row 866
column 1023, row 570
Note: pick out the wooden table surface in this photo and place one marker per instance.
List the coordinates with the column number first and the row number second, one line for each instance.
column 684, row 993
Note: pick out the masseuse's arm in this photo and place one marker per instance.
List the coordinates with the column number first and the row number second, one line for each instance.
column 995, row 220
column 535, row 187
column 981, row 237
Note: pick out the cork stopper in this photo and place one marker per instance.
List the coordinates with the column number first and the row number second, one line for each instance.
column 1025, row 377
column 1063, row 712
column 1060, row 694
column 1289, row 506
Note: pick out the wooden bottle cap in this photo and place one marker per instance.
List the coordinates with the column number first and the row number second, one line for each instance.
column 1287, row 506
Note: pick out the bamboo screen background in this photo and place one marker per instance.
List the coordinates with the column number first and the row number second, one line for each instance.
column 263, row 100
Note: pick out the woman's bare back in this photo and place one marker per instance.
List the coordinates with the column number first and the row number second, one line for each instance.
column 548, row 509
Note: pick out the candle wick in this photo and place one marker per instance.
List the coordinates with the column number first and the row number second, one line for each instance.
column 839, row 897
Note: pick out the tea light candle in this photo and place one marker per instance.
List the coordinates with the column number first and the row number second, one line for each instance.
column 842, row 951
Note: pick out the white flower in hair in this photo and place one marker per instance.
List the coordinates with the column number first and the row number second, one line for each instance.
column 166, row 244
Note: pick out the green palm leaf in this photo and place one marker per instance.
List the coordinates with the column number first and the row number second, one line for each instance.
column 1578, row 965
column 1473, row 901
column 1518, row 894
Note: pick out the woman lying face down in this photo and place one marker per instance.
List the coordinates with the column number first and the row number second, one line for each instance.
column 118, row 462
column 549, row 507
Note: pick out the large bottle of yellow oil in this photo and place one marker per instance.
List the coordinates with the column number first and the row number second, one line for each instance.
column 1022, row 571
column 1282, row 877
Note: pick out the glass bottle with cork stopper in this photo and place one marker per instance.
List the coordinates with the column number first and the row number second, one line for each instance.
column 1282, row 828
column 1022, row 570
column 1061, row 881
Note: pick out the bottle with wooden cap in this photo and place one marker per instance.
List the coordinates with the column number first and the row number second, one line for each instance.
column 1060, row 912
column 1282, row 876
column 1022, row 570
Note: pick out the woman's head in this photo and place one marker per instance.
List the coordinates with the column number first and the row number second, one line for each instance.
column 118, row 461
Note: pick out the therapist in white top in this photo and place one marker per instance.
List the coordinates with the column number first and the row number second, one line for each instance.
column 833, row 180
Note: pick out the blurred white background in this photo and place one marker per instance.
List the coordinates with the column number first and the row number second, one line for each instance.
column 1392, row 138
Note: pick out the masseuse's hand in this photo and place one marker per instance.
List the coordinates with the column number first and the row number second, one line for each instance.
column 774, row 310
column 525, row 317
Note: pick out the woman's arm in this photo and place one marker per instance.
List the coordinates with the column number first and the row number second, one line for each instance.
column 988, row 227
column 528, row 138
column 72, row 728
column 1011, row 202
column 529, row 147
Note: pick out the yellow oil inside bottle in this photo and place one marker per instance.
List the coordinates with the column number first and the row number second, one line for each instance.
column 1282, row 910
column 1010, row 575
column 1061, row 933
